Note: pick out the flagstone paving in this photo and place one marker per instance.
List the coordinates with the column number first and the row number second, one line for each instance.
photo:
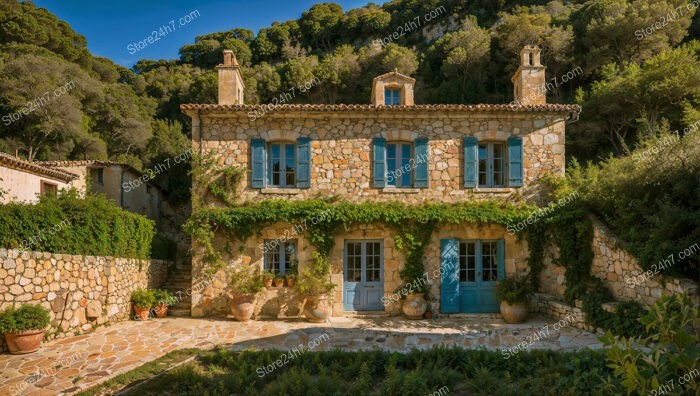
column 68, row 365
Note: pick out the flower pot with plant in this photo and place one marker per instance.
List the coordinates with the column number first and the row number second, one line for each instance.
column 143, row 300
column 314, row 284
column 24, row 327
column 267, row 278
column 515, row 293
column 279, row 281
column 245, row 284
column 414, row 304
column 163, row 300
column 291, row 279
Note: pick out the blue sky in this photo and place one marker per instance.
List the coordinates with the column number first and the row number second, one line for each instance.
column 110, row 26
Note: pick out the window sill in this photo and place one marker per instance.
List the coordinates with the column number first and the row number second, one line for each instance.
column 394, row 190
column 494, row 190
column 280, row 191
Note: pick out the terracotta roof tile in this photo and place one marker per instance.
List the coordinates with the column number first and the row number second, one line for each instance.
column 36, row 168
column 564, row 108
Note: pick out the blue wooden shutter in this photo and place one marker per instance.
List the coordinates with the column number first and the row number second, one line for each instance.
column 303, row 162
column 258, row 156
column 379, row 179
column 501, row 253
column 515, row 161
column 471, row 162
column 420, row 179
column 449, row 283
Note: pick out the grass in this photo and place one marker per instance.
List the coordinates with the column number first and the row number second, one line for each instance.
column 472, row 372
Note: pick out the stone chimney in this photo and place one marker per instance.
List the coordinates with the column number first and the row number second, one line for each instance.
column 230, row 81
column 529, row 80
column 394, row 89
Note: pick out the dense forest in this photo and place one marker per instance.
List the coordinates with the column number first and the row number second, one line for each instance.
column 632, row 65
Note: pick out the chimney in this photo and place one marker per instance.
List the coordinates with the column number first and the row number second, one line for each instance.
column 529, row 80
column 230, row 81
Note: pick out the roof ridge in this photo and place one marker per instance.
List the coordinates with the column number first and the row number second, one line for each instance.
column 36, row 167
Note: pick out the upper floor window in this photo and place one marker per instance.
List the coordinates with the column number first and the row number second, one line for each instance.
column 492, row 165
column 282, row 166
column 281, row 257
column 48, row 189
column 392, row 96
column 399, row 164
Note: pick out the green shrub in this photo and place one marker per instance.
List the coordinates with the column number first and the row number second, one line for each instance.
column 246, row 280
column 653, row 364
column 70, row 224
column 162, row 296
column 515, row 289
column 143, row 298
column 26, row 317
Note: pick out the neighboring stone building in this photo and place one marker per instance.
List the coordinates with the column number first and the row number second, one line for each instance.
column 389, row 150
column 127, row 187
column 24, row 181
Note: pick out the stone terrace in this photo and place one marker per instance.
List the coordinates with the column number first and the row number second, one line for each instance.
column 75, row 363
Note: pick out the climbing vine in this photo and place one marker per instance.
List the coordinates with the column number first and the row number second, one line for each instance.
column 414, row 224
column 214, row 180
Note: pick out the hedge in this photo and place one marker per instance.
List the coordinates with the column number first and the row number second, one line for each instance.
column 69, row 224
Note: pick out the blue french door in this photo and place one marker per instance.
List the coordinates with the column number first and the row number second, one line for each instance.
column 470, row 270
column 363, row 285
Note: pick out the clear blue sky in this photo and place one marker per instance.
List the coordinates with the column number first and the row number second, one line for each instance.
column 111, row 25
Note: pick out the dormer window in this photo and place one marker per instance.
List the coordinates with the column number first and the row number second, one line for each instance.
column 392, row 96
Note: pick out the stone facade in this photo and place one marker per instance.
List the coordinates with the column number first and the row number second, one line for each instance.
column 80, row 291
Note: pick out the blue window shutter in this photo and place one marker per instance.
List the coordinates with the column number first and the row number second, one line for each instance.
column 379, row 178
column 501, row 253
column 420, row 179
column 303, row 162
column 449, row 281
column 258, row 163
column 515, row 161
column 471, row 162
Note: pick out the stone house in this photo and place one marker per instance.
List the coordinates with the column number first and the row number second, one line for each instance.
column 389, row 150
column 24, row 181
column 126, row 186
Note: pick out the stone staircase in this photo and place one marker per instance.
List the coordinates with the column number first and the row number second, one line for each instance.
column 178, row 283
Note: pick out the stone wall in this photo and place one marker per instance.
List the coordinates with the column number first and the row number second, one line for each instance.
column 550, row 306
column 341, row 149
column 80, row 291
column 211, row 296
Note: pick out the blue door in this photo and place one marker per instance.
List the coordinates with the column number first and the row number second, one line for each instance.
column 363, row 287
column 470, row 270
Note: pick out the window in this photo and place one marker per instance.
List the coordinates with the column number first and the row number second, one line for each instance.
column 399, row 162
column 364, row 259
column 392, row 96
column 98, row 175
column 281, row 257
column 48, row 189
column 473, row 253
column 282, row 165
column 492, row 165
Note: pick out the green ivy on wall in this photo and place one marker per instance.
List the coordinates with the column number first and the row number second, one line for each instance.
column 324, row 219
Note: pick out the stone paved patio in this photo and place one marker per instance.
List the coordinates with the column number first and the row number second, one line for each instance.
column 71, row 364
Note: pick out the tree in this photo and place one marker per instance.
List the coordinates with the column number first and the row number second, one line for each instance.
column 320, row 25
column 337, row 72
column 400, row 58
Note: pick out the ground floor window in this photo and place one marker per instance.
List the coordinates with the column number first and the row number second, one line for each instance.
column 280, row 257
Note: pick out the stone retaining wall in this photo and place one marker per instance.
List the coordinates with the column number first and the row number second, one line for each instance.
column 551, row 307
column 80, row 291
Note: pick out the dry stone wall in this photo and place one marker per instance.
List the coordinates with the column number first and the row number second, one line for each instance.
column 80, row 291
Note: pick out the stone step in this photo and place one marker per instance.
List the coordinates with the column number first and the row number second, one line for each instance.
column 179, row 312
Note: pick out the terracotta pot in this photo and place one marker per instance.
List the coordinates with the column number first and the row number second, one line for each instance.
column 291, row 282
column 25, row 341
column 161, row 310
column 142, row 313
column 279, row 282
column 414, row 306
column 316, row 308
column 428, row 315
column 243, row 307
column 515, row 313
column 267, row 282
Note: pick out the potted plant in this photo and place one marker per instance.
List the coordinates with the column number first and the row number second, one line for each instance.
column 267, row 278
column 414, row 304
column 279, row 281
column 24, row 327
column 515, row 293
column 245, row 283
column 143, row 300
column 163, row 300
column 291, row 278
column 313, row 283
